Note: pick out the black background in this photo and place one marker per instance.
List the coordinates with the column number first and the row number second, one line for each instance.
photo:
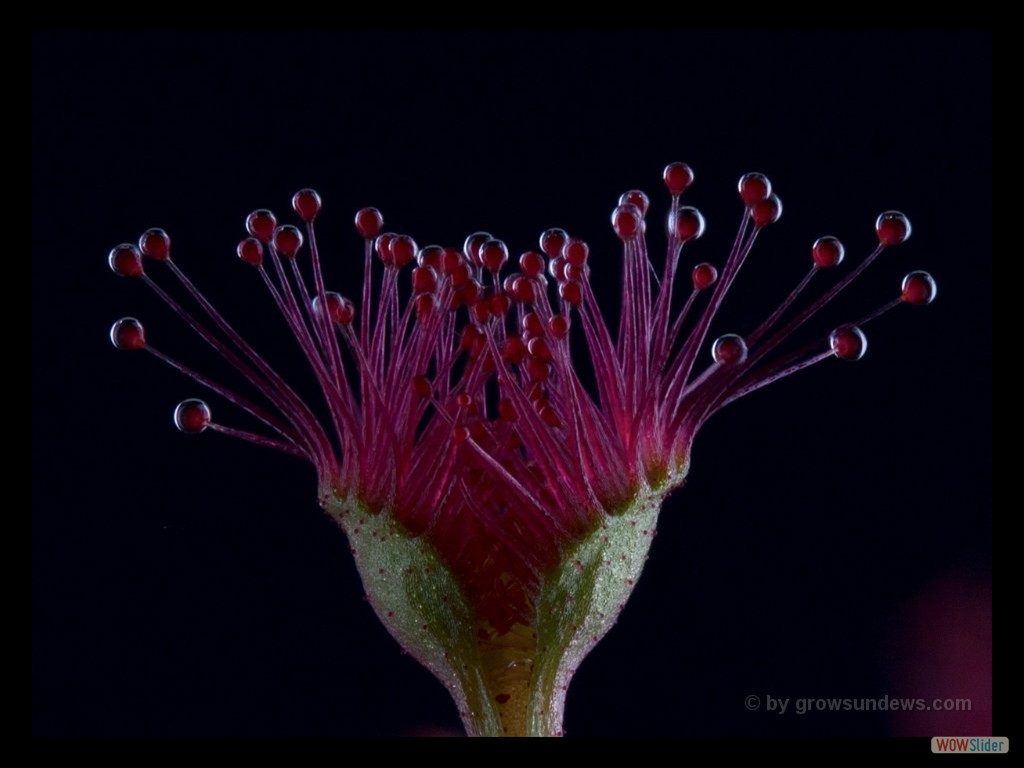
column 191, row 585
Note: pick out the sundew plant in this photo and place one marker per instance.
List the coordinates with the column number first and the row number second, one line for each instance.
column 498, row 508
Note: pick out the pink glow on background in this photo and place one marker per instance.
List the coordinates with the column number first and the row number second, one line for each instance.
column 944, row 649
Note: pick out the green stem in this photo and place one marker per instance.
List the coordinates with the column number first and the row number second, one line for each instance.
column 515, row 683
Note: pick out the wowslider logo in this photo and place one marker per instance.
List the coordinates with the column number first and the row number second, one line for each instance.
column 970, row 744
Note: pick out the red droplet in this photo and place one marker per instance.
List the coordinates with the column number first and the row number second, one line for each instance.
column 470, row 338
column 704, row 276
column 128, row 333
column 460, row 434
column 369, row 222
column 461, row 274
column 514, row 350
column 575, row 252
column 767, row 211
column 522, row 290
column 532, row 324
column 556, row 268
column 493, row 255
column 919, row 288
column 892, row 228
column 688, row 223
column 463, row 400
column 848, row 342
column 382, row 246
column 287, row 240
column 424, row 279
column 754, row 187
column 627, row 221
column 637, row 198
column 156, row 244
column 432, row 256
column 481, row 311
column 678, row 177
column 261, row 224
column 576, row 272
column 306, row 203
column 471, row 246
column 571, row 293
column 403, row 250
column 452, row 260
column 425, row 304
column 539, row 350
column 339, row 309
column 536, row 369
column 500, row 304
column 126, row 261
column 471, row 292
column 827, row 252
column 250, row 250
column 729, row 349
column 531, row 263
column 558, row 326
column 192, row 416
column 421, row 386
column 552, row 241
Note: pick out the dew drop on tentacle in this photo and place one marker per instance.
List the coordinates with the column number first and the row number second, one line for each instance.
column 532, row 325
column 128, row 333
column 125, row 260
column 287, row 240
column 636, row 198
column 261, row 224
column 500, row 304
column 424, row 279
column 339, row 309
column 827, row 252
column 848, row 342
column 558, row 326
column 521, row 290
column 192, row 416
column 767, row 211
column 306, row 203
column 918, row 288
column 250, row 250
column 576, row 252
column 403, row 250
column 493, row 255
column 556, row 268
column 369, row 222
column 471, row 246
column 753, row 188
column 571, row 293
column 729, row 349
column 552, row 241
column 514, row 350
column 687, row 223
column 627, row 221
column 704, row 276
column 156, row 244
column 677, row 177
column 531, row 263
column 539, row 349
column 425, row 304
column 892, row 228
